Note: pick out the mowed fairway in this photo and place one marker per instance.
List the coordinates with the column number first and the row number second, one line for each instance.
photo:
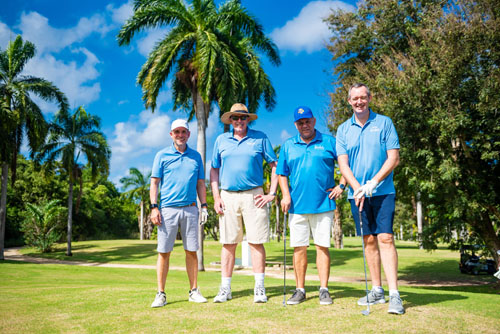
column 48, row 298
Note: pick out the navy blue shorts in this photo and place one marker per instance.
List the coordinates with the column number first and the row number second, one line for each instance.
column 378, row 214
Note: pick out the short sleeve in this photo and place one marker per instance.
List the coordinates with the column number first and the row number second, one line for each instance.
column 156, row 170
column 340, row 144
column 269, row 154
column 282, row 168
column 216, row 160
column 391, row 136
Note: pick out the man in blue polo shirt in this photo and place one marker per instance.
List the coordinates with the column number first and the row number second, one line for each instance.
column 178, row 171
column 368, row 150
column 237, row 164
column 308, row 160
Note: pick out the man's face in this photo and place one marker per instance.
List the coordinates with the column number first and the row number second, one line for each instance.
column 306, row 127
column 239, row 122
column 180, row 136
column 359, row 100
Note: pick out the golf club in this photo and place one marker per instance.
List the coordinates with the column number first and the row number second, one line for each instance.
column 367, row 311
column 284, row 257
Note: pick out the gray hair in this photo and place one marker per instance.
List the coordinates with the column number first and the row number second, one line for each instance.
column 357, row 85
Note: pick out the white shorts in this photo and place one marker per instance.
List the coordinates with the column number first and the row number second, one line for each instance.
column 319, row 223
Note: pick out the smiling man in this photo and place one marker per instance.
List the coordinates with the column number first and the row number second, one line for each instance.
column 368, row 149
column 237, row 164
column 178, row 171
column 306, row 170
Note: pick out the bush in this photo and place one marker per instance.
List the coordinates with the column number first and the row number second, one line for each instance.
column 43, row 224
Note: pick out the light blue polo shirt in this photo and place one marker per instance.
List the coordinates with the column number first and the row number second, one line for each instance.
column 366, row 148
column 179, row 174
column 240, row 162
column 310, row 168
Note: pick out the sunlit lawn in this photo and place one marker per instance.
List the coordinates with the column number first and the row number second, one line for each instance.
column 414, row 264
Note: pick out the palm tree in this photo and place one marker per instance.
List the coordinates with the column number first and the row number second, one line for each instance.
column 19, row 113
column 140, row 190
column 71, row 136
column 210, row 53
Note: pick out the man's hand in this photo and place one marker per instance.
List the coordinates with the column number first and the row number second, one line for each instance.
column 261, row 200
column 156, row 216
column 286, row 201
column 219, row 206
column 204, row 216
column 366, row 189
column 335, row 193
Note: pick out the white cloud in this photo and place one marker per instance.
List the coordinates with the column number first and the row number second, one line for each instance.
column 284, row 135
column 6, row 35
column 307, row 31
column 121, row 14
column 73, row 79
column 139, row 135
column 146, row 44
column 36, row 28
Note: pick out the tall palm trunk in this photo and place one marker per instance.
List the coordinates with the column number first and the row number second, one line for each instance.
column 201, row 110
column 3, row 206
column 337, row 230
column 141, row 228
column 70, row 216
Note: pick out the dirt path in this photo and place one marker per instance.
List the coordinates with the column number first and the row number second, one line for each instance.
column 13, row 254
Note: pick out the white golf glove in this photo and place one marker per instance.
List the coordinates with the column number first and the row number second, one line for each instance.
column 204, row 215
column 366, row 189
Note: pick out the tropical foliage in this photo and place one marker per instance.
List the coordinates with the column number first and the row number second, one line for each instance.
column 19, row 113
column 138, row 185
column 42, row 226
column 433, row 67
column 70, row 136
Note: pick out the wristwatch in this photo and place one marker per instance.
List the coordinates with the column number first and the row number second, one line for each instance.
column 204, row 205
column 152, row 206
column 342, row 186
column 272, row 194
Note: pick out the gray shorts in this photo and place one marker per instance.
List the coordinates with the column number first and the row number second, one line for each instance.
column 171, row 218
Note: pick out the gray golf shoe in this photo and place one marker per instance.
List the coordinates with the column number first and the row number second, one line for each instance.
column 395, row 305
column 374, row 297
column 297, row 298
column 324, row 297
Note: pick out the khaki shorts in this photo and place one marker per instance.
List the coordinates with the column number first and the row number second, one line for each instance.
column 319, row 223
column 240, row 209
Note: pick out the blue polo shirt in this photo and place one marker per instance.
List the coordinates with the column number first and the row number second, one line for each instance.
column 366, row 148
column 310, row 168
column 240, row 162
column 179, row 174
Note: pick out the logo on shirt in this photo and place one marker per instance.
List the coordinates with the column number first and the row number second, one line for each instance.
column 319, row 147
column 375, row 129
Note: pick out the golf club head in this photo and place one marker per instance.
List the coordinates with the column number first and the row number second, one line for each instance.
column 365, row 312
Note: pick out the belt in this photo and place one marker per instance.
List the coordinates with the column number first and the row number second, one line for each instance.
column 240, row 191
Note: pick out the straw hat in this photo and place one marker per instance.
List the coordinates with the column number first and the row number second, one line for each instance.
column 238, row 109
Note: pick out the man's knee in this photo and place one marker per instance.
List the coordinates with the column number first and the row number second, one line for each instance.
column 385, row 239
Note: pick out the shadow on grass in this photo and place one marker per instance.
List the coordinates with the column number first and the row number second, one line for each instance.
column 125, row 254
column 411, row 299
column 337, row 258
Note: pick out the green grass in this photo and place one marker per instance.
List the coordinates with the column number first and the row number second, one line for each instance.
column 414, row 264
column 74, row 299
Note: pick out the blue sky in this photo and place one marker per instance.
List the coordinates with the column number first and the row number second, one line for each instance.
column 78, row 52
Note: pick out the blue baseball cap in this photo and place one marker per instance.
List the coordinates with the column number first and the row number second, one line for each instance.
column 302, row 112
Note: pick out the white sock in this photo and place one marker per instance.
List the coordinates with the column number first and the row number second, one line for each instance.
column 377, row 288
column 322, row 288
column 393, row 293
column 302, row 289
column 226, row 282
column 259, row 279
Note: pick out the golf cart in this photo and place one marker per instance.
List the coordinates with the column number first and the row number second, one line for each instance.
column 470, row 263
